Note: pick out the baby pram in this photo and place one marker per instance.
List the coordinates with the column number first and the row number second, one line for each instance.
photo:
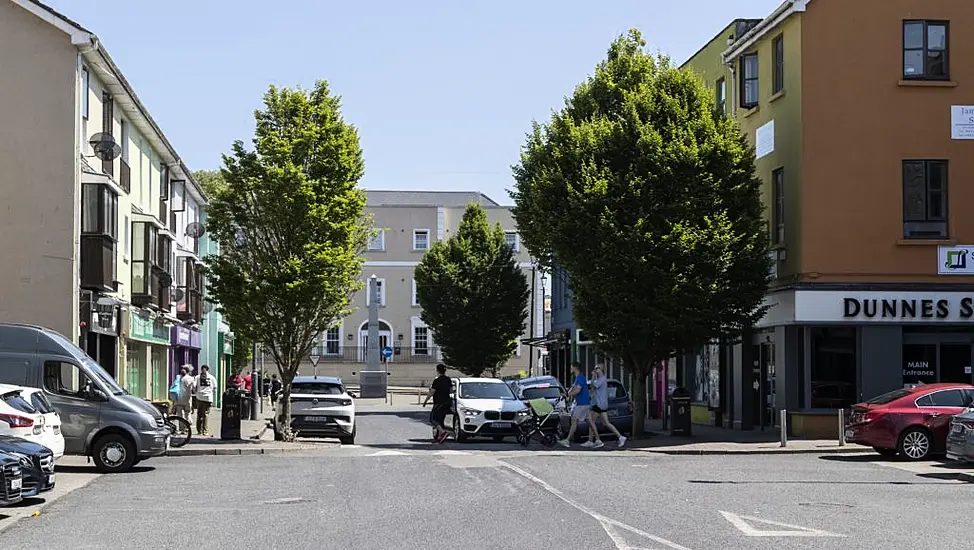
column 543, row 423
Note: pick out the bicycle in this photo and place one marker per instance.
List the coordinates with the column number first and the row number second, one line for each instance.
column 180, row 430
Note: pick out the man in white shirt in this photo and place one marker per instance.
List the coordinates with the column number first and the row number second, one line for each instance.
column 205, row 390
column 186, row 383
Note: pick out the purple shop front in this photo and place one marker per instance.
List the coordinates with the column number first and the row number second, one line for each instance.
column 186, row 344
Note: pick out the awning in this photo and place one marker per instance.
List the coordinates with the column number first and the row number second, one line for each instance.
column 542, row 341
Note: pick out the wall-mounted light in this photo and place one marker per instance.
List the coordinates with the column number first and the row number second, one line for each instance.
column 350, row 336
column 400, row 336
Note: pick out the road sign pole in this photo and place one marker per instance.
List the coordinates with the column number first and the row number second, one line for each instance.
column 315, row 357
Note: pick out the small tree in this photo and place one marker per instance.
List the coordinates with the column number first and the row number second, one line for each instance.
column 648, row 199
column 474, row 295
column 291, row 226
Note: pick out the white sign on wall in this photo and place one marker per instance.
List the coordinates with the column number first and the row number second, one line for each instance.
column 764, row 140
column 962, row 122
column 955, row 260
column 883, row 307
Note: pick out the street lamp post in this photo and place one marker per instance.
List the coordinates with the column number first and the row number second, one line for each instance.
column 253, row 384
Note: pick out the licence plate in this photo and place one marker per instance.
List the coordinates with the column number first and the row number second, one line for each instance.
column 317, row 419
column 50, row 479
column 502, row 424
column 16, row 484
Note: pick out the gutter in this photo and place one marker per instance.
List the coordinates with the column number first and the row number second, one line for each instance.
column 766, row 25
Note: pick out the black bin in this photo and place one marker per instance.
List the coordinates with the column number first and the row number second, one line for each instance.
column 680, row 412
column 230, row 417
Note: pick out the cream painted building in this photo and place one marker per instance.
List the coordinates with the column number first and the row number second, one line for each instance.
column 96, row 247
column 409, row 222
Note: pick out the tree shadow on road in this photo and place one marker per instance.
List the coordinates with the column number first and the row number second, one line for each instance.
column 90, row 469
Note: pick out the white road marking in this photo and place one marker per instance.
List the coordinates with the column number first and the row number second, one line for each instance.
column 742, row 525
column 452, row 453
column 388, row 453
column 607, row 523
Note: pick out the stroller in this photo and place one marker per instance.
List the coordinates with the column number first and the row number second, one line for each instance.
column 544, row 423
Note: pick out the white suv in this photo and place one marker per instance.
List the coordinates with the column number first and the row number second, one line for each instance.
column 27, row 414
column 320, row 407
column 486, row 407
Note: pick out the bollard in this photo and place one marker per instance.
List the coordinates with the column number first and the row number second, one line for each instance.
column 841, row 427
column 784, row 428
column 419, row 400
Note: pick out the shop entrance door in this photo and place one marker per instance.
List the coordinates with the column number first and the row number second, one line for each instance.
column 955, row 363
column 762, row 385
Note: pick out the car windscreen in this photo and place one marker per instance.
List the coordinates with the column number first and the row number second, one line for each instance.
column 547, row 392
column 40, row 402
column 317, row 388
column 17, row 402
column 485, row 390
column 889, row 397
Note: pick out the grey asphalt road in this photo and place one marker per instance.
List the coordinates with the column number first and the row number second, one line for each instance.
column 394, row 490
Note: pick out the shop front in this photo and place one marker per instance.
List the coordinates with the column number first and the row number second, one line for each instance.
column 100, row 322
column 821, row 350
column 147, row 348
column 186, row 345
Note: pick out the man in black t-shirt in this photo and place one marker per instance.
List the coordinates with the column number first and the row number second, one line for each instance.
column 440, row 391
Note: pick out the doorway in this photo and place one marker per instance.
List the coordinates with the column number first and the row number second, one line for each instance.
column 385, row 338
column 955, row 363
column 763, row 384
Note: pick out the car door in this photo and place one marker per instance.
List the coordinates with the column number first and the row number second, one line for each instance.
column 943, row 405
column 64, row 385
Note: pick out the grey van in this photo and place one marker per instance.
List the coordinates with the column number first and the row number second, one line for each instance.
column 99, row 418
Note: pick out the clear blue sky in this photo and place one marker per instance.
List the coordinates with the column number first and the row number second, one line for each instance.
column 442, row 91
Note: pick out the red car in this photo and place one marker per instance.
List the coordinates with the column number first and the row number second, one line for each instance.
column 912, row 422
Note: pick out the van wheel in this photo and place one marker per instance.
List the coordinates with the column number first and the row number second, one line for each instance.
column 113, row 453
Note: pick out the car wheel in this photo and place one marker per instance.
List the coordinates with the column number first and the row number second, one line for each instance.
column 113, row 453
column 458, row 429
column 915, row 444
column 348, row 440
column 890, row 453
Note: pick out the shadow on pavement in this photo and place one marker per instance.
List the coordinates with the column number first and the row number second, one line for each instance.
column 860, row 458
column 808, row 482
column 90, row 469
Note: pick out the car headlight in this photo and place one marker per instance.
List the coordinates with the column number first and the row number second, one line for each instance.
column 470, row 412
column 346, row 402
column 525, row 412
column 150, row 421
column 25, row 461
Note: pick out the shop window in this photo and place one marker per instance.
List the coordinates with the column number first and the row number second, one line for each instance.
column 919, row 364
column 833, row 369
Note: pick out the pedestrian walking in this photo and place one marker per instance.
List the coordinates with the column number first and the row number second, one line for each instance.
column 187, row 385
column 205, row 388
column 582, row 403
column 276, row 388
column 440, row 391
column 600, row 409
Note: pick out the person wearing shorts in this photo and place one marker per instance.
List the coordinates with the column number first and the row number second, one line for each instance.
column 600, row 410
column 440, row 393
column 582, row 403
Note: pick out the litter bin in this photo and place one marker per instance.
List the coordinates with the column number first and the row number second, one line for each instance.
column 230, row 414
column 680, row 412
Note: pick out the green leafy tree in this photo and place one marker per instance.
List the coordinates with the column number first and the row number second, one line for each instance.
column 474, row 295
column 647, row 197
column 211, row 181
column 291, row 225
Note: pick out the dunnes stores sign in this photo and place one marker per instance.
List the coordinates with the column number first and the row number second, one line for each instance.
column 909, row 309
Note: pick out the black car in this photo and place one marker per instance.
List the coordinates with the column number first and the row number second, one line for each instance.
column 11, row 480
column 36, row 464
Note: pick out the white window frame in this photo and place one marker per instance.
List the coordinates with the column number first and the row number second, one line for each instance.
column 428, row 340
column 416, row 233
column 382, row 293
column 324, row 341
column 380, row 240
column 85, row 95
column 415, row 300
column 517, row 239
column 123, row 137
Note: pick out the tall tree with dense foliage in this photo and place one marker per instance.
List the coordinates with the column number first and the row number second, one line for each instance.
column 474, row 295
column 291, row 225
column 647, row 197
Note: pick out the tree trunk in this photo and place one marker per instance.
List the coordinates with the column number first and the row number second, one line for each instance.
column 287, row 378
column 638, row 394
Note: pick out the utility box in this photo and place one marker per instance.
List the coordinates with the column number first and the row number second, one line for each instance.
column 230, row 414
column 680, row 418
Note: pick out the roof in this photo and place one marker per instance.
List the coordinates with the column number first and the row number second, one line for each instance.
column 768, row 24
column 94, row 52
column 491, row 380
column 428, row 198
column 749, row 23
column 323, row 379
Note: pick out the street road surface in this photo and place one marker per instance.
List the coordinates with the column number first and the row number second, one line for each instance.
column 394, row 490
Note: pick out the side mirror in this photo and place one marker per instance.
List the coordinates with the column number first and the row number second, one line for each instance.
column 97, row 395
column 352, row 394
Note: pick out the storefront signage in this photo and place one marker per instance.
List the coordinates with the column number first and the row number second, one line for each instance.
column 961, row 122
column 828, row 306
column 955, row 260
column 227, row 344
column 186, row 337
column 907, row 309
column 147, row 329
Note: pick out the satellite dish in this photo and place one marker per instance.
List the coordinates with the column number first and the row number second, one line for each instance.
column 207, row 307
column 195, row 230
column 165, row 280
column 178, row 294
column 104, row 146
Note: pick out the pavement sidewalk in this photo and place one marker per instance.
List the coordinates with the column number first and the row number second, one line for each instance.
column 256, row 437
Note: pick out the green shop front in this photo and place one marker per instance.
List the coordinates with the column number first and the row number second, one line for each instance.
column 147, row 338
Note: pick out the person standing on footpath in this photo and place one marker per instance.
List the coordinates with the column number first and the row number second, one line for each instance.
column 187, row 385
column 582, row 403
column 205, row 389
column 600, row 409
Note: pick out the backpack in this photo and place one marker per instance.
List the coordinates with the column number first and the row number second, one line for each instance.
column 174, row 390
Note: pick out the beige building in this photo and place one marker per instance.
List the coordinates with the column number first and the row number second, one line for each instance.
column 409, row 222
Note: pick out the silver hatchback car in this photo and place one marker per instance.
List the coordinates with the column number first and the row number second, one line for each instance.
column 960, row 438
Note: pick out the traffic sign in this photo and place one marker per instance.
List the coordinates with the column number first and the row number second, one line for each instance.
column 387, row 352
column 314, row 359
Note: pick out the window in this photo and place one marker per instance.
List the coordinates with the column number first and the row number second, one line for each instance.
column 925, row 199
column 164, row 254
column 85, row 90
column 378, row 243
column 145, row 254
column 833, row 369
column 415, row 301
column 925, row 50
column 421, row 239
column 333, row 340
column 421, row 341
column 124, row 132
column 380, row 288
column 721, row 96
column 778, row 192
column 65, row 379
column 948, row 398
column 99, row 210
column 749, row 81
column 513, row 240
column 778, row 60
column 107, row 113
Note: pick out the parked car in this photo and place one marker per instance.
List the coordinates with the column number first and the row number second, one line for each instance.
column 547, row 387
column 33, row 415
column 116, row 429
column 11, row 480
column 486, row 407
column 620, row 412
column 36, row 464
column 960, row 438
column 320, row 407
column 912, row 422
